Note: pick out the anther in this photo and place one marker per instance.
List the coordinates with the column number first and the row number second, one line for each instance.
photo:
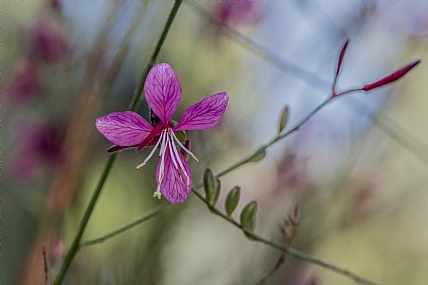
column 141, row 165
column 194, row 157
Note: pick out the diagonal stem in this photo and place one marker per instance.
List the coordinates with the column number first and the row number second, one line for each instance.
column 294, row 252
column 273, row 141
column 133, row 106
column 146, row 216
column 383, row 122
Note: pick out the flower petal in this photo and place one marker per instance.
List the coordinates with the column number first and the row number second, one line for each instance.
column 163, row 91
column 205, row 114
column 172, row 187
column 124, row 128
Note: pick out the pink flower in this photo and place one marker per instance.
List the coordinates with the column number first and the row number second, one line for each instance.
column 236, row 13
column 35, row 145
column 25, row 83
column 128, row 129
column 49, row 41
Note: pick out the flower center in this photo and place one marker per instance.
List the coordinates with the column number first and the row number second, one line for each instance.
column 167, row 142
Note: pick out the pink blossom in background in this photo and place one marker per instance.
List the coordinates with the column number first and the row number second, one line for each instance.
column 128, row 129
column 48, row 40
column 235, row 13
column 35, row 145
column 25, row 83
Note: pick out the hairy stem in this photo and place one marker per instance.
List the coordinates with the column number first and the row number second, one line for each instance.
column 133, row 106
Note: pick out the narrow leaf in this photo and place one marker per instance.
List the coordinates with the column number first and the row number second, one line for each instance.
column 259, row 155
column 391, row 78
column 210, row 186
column 232, row 200
column 283, row 119
column 216, row 195
column 248, row 217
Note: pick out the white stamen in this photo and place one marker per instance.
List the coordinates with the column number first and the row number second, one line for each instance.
column 171, row 145
column 161, row 169
column 185, row 149
column 181, row 165
column 150, row 155
column 163, row 145
column 157, row 192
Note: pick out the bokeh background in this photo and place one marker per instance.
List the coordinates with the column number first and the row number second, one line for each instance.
column 358, row 168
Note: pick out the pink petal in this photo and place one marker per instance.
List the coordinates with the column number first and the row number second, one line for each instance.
column 124, row 128
column 163, row 91
column 205, row 114
column 174, row 189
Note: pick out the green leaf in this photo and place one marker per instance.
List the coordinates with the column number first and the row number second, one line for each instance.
column 232, row 200
column 248, row 217
column 259, row 155
column 283, row 119
column 181, row 135
column 211, row 187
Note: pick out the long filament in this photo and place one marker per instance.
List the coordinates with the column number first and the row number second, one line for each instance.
column 182, row 146
column 151, row 154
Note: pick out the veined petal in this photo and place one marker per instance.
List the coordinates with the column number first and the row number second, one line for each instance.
column 205, row 114
column 163, row 91
column 124, row 128
column 172, row 187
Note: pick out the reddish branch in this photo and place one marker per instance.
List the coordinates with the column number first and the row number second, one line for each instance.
column 288, row 229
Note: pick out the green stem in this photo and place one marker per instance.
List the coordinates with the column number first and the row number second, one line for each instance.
column 137, row 95
column 133, row 106
column 146, row 216
column 273, row 141
column 158, row 209
column 75, row 245
column 296, row 253
column 383, row 122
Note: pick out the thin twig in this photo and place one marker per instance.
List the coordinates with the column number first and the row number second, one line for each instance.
column 45, row 265
column 146, row 216
column 294, row 252
column 383, row 122
column 289, row 234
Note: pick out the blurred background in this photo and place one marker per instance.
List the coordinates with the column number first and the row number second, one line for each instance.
column 358, row 168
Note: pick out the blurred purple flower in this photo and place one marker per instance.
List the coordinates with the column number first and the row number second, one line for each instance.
column 238, row 12
column 48, row 39
column 25, row 82
column 128, row 129
column 35, row 145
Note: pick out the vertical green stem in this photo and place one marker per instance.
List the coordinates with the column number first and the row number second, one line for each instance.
column 137, row 95
column 133, row 106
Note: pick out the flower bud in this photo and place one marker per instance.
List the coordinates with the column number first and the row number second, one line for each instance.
column 259, row 155
column 211, row 187
column 391, row 78
column 232, row 200
column 341, row 56
column 248, row 217
column 283, row 119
